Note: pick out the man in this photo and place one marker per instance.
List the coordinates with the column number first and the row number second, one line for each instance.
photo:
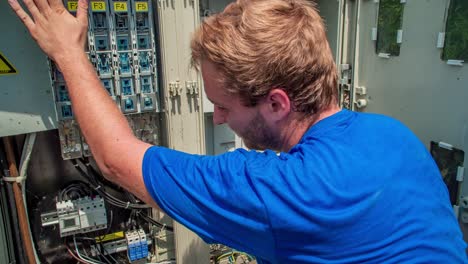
column 346, row 187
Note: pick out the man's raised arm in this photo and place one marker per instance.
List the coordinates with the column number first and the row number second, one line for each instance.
column 62, row 36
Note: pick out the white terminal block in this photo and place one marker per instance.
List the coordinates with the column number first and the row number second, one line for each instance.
column 142, row 236
column 137, row 245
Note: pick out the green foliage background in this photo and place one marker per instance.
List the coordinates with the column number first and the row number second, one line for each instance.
column 456, row 36
column 389, row 22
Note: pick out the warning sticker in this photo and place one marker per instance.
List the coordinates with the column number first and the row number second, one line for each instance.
column 5, row 66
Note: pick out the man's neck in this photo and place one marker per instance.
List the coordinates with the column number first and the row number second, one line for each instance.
column 298, row 127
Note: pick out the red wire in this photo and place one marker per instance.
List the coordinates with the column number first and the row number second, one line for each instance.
column 74, row 256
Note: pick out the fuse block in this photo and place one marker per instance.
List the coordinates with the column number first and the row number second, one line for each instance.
column 122, row 48
column 137, row 245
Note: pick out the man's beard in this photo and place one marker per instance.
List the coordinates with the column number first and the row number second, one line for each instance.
column 257, row 135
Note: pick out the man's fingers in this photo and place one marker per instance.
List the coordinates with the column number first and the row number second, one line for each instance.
column 56, row 4
column 27, row 21
column 82, row 12
column 43, row 6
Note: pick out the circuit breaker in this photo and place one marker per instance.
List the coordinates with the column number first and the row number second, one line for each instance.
column 137, row 246
column 78, row 216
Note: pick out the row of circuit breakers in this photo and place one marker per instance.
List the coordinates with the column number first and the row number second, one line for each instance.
column 122, row 48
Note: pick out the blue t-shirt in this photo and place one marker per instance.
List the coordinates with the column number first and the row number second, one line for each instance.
column 356, row 188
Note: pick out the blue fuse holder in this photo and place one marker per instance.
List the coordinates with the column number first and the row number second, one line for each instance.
column 137, row 245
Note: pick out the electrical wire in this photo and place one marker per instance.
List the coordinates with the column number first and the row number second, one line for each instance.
column 23, row 167
column 74, row 191
column 108, row 254
column 74, row 256
column 154, row 222
column 131, row 203
column 91, row 176
column 85, row 258
column 19, row 202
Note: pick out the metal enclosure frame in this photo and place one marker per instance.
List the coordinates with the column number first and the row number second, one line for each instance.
column 417, row 87
column 182, row 103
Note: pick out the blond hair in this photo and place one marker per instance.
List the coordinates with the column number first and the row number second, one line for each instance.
column 259, row 45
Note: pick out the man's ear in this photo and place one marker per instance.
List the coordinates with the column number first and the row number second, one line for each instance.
column 277, row 105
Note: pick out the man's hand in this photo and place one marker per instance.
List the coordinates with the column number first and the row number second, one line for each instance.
column 56, row 31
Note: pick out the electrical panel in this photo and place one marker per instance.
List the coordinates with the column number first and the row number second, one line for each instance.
column 128, row 44
column 122, row 47
column 94, row 220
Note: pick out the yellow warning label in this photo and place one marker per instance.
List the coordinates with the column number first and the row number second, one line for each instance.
column 72, row 6
column 141, row 6
column 120, row 7
column 108, row 237
column 98, row 6
column 5, row 66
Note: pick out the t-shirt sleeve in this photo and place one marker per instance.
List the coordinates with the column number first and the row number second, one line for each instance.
column 214, row 196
